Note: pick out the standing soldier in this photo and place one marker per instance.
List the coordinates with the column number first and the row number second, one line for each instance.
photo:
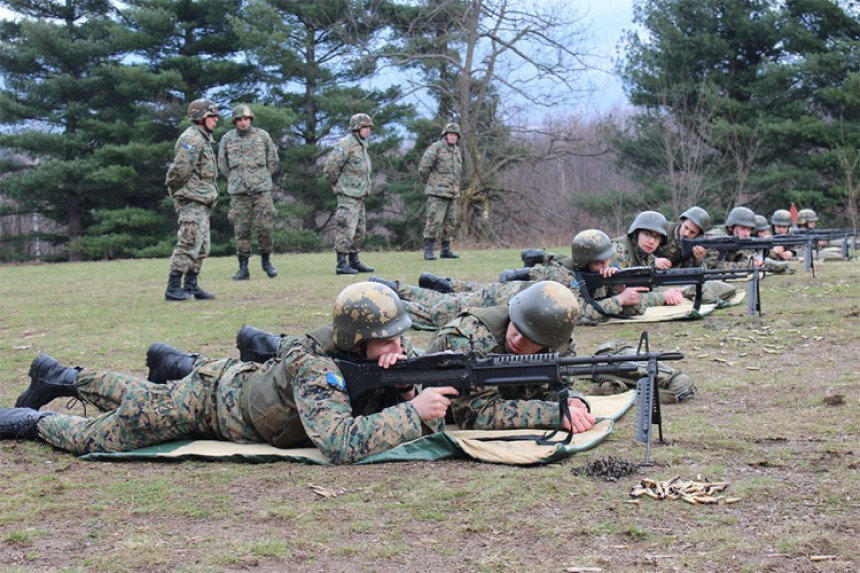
column 347, row 169
column 248, row 158
column 440, row 170
column 191, row 183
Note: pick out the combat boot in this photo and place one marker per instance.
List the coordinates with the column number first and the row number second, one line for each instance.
column 168, row 363
column 393, row 285
column 267, row 265
column 194, row 290
column 509, row 275
column 343, row 267
column 532, row 257
column 432, row 282
column 174, row 288
column 20, row 423
column 48, row 380
column 257, row 345
column 243, row 273
column 358, row 265
column 447, row 253
column 428, row 250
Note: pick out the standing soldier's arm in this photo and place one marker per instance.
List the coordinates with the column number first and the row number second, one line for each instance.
column 428, row 160
column 272, row 159
column 223, row 163
column 334, row 164
column 187, row 155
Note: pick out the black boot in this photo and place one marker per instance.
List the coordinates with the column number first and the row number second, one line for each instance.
column 509, row 275
column 194, row 290
column 532, row 257
column 168, row 363
column 257, row 345
column 432, row 282
column 358, row 265
column 447, row 253
column 428, row 250
column 174, row 288
column 48, row 380
column 243, row 273
column 343, row 267
column 20, row 423
column 393, row 285
column 267, row 265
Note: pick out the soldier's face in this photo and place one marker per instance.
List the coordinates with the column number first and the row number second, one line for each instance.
column 376, row 348
column 648, row 241
column 243, row 123
column 597, row 266
column 781, row 229
column 452, row 138
column 763, row 234
column 364, row 132
column 689, row 229
column 519, row 344
column 210, row 122
column 741, row 232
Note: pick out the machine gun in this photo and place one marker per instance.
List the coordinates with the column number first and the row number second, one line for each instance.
column 828, row 235
column 468, row 370
column 730, row 244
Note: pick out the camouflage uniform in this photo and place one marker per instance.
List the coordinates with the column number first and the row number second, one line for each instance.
column 713, row 292
column 191, row 182
column 629, row 255
column 440, row 169
column 248, row 160
column 740, row 259
column 347, row 169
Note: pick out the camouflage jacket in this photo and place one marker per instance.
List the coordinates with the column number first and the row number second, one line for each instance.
column 194, row 169
column 248, row 159
column 347, row 167
column 301, row 395
column 629, row 255
column 672, row 250
column 440, row 169
column 527, row 406
column 740, row 259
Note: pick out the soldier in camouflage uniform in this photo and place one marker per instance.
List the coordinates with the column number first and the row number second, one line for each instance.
column 347, row 169
column 740, row 223
column 294, row 400
column 440, row 169
column 191, row 183
column 691, row 224
column 248, row 158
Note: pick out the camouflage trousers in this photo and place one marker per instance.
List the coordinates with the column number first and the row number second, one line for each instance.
column 443, row 214
column 430, row 309
column 245, row 211
column 137, row 413
column 351, row 221
column 192, row 238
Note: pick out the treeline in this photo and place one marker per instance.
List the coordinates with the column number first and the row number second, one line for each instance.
column 738, row 102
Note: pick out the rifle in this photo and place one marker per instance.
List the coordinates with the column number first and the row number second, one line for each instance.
column 468, row 370
column 832, row 235
column 652, row 278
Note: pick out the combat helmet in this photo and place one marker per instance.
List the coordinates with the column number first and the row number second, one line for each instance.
column 200, row 109
column 806, row 216
column 781, row 217
column 367, row 311
column 545, row 313
column 360, row 120
column 241, row 111
column 649, row 221
column 451, row 128
column 590, row 245
column 698, row 217
column 742, row 216
column 761, row 224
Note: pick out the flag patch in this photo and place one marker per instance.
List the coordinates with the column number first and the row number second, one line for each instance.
column 335, row 380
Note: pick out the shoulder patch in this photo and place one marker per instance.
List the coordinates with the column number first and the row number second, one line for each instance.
column 335, row 380
column 187, row 146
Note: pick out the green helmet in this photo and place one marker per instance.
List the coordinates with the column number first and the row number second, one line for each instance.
column 200, row 109
column 590, row 245
column 761, row 223
column 740, row 216
column 545, row 313
column 360, row 120
column 451, row 128
column 806, row 216
column 367, row 311
column 649, row 221
column 241, row 111
column 781, row 217
column 698, row 217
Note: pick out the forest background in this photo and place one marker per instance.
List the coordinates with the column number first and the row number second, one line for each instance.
column 733, row 102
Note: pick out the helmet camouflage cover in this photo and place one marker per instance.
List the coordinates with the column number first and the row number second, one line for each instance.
column 649, row 221
column 781, row 217
column 241, row 111
column 742, row 216
column 451, row 128
column 360, row 120
column 590, row 245
column 806, row 216
column 367, row 311
column 545, row 313
column 200, row 109
column 698, row 217
column 761, row 223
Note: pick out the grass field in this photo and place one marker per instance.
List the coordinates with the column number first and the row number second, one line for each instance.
column 777, row 416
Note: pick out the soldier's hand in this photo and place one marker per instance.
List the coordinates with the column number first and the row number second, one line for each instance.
column 609, row 271
column 673, row 297
column 432, row 403
column 661, row 263
column 699, row 253
column 630, row 296
column 389, row 358
column 581, row 419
